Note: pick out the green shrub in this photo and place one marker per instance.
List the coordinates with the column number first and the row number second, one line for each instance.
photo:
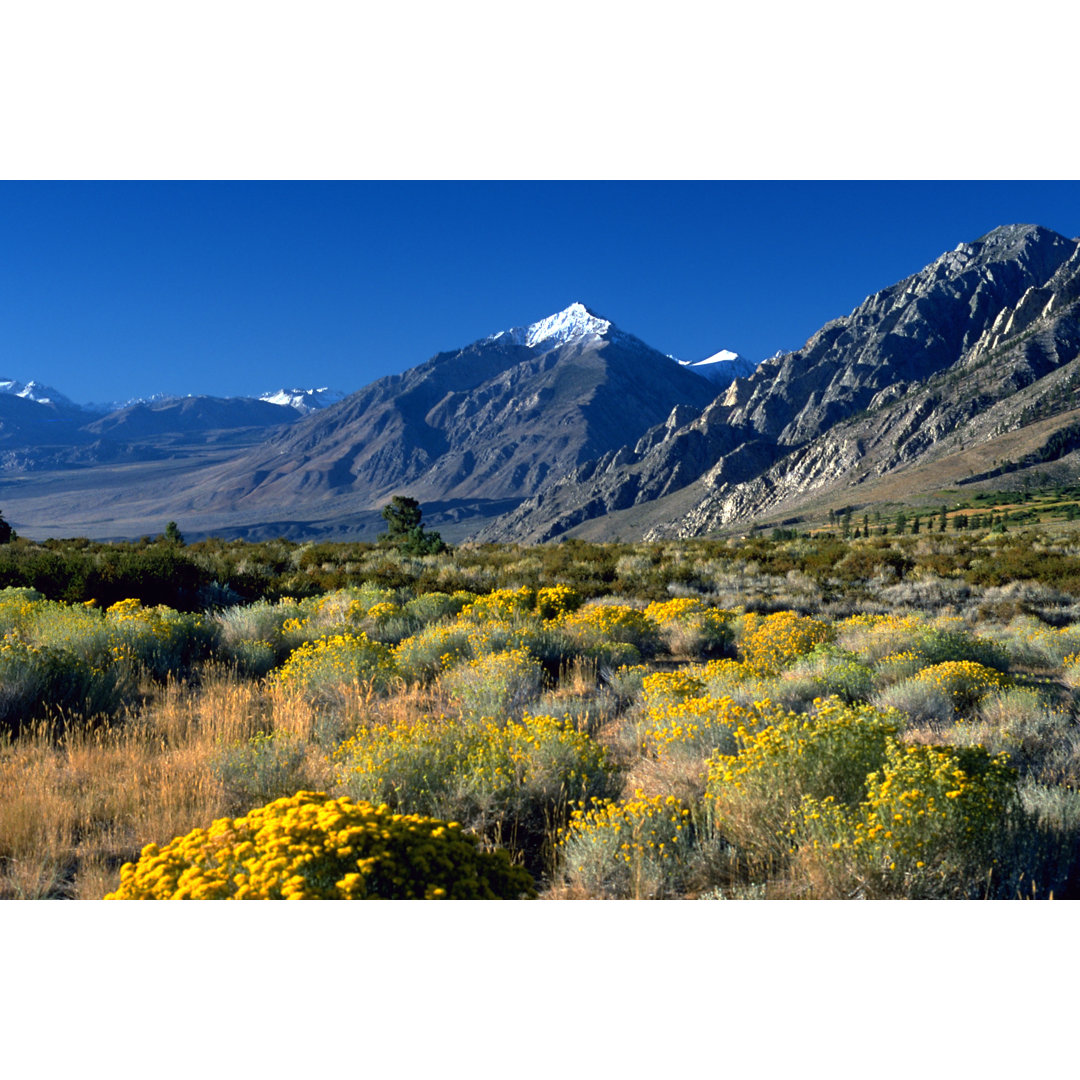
column 38, row 683
column 265, row 767
column 434, row 649
column 940, row 645
column 495, row 684
column 838, row 672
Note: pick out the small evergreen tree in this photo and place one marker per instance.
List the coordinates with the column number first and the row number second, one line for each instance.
column 403, row 518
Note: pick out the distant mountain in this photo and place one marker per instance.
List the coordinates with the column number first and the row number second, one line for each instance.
column 471, row 431
column 34, row 391
column 721, row 367
column 198, row 413
column 304, row 401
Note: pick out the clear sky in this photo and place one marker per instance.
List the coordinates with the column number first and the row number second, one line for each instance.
column 114, row 290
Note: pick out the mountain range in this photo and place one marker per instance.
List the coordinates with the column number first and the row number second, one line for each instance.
column 965, row 373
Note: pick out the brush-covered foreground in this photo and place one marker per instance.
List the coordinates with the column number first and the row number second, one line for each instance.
column 796, row 718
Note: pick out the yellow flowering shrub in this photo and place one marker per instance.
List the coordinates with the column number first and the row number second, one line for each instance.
column 636, row 848
column 668, row 686
column 495, row 684
column 502, row 604
column 337, row 661
column 554, row 601
column 409, row 763
column 829, row 752
column 509, row 779
column 163, row 641
column 598, row 625
column 929, row 823
column 312, row 847
column 38, row 682
column 964, row 681
column 895, row 667
column 771, row 643
column 17, row 606
column 689, row 628
column 256, row 637
column 60, row 658
column 433, row 650
column 700, row 725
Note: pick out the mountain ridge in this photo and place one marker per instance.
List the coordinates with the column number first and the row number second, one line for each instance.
column 572, row 426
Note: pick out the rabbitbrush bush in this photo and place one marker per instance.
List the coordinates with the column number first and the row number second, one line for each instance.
column 770, row 643
column 312, row 847
column 639, row 848
column 328, row 664
column 930, row 825
column 496, row 684
column 689, row 628
column 39, row 682
column 506, row 778
column 596, row 627
column 752, row 793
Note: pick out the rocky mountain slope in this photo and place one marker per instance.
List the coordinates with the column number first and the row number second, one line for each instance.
column 473, row 431
column 978, row 343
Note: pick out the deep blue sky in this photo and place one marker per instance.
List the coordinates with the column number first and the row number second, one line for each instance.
column 112, row 290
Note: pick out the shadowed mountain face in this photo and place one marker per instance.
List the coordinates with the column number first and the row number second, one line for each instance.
column 485, row 424
column 798, row 424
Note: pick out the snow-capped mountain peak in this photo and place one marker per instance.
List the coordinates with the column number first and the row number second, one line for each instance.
column 572, row 323
column 305, row 401
column 721, row 367
column 33, row 391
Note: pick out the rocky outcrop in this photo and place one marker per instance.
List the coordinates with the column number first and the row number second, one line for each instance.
column 800, row 423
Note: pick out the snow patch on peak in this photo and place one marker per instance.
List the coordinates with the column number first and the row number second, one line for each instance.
column 716, row 358
column 572, row 323
column 34, row 391
column 721, row 367
column 305, row 401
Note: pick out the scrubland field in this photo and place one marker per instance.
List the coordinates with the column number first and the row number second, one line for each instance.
column 792, row 716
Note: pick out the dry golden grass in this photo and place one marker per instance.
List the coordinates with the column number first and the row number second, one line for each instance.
column 75, row 804
column 80, row 798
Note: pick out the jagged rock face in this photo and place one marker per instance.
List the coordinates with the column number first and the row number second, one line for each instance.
column 488, row 422
column 787, row 428
column 1006, row 380
column 909, row 331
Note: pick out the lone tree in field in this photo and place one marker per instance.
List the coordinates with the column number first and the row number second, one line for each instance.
column 404, row 531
